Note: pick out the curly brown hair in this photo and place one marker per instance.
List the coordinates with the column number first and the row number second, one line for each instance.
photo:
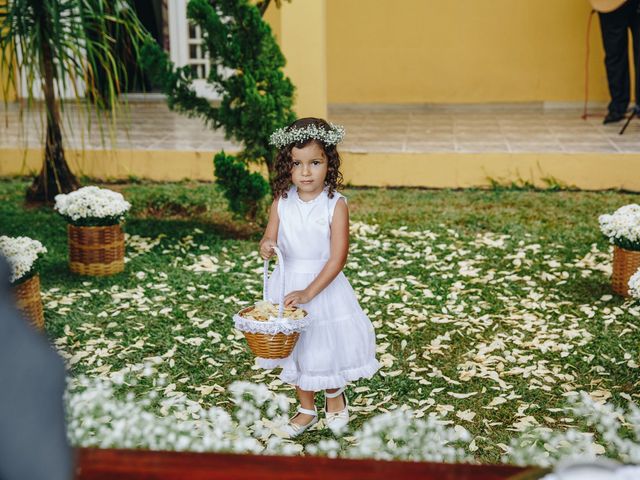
column 284, row 163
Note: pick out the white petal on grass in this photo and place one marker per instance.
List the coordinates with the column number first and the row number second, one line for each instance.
column 462, row 395
column 466, row 415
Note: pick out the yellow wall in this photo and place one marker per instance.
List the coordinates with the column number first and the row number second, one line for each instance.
column 300, row 29
column 461, row 51
column 454, row 51
column 272, row 17
column 4, row 81
column 588, row 171
column 5, row 84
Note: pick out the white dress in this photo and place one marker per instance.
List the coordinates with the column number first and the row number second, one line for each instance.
column 339, row 346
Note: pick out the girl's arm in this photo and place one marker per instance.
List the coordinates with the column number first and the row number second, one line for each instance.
column 336, row 262
column 270, row 236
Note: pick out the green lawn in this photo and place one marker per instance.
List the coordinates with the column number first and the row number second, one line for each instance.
column 490, row 307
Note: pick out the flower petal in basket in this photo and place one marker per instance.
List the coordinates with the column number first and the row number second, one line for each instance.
column 286, row 326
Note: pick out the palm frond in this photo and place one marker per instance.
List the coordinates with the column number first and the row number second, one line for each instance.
column 82, row 36
column 67, row 46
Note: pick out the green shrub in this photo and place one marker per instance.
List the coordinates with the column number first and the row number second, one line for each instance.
column 242, row 189
column 256, row 97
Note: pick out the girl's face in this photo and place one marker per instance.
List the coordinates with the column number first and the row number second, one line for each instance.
column 309, row 168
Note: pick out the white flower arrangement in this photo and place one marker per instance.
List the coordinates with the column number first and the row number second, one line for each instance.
column 286, row 136
column 98, row 416
column 634, row 285
column 92, row 206
column 399, row 435
column 585, row 470
column 618, row 432
column 22, row 254
column 623, row 227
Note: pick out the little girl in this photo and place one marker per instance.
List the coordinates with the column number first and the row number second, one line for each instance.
column 309, row 222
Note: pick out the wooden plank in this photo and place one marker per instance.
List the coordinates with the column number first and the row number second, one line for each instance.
column 98, row 464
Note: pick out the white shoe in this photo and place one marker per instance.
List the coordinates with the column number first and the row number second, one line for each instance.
column 292, row 430
column 337, row 421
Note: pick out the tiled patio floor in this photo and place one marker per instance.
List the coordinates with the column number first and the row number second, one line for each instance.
column 370, row 128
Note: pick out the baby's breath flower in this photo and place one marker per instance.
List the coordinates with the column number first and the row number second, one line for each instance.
column 398, row 435
column 98, row 418
column 286, row 136
column 619, row 436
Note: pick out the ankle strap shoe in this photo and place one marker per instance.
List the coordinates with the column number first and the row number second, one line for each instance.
column 337, row 421
column 292, row 430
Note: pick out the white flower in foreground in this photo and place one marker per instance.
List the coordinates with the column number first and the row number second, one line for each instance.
column 634, row 285
column 97, row 418
column 582, row 469
column 398, row 435
column 617, row 430
column 92, row 203
column 22, row 253
column 623, row 226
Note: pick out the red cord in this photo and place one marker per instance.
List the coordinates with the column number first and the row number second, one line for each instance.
column 586, row 68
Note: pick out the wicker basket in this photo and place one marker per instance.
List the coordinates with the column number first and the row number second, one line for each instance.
column 29, row 302
column 625, row 264
column 270, row 346
column 278, row 345
column 97, row 251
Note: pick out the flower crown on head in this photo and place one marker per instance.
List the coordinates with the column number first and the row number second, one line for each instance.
column 286, row 136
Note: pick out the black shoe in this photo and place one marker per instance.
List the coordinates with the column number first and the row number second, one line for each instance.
column 613, row 117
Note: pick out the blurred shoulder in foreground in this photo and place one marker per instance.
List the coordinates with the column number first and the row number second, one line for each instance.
column 33, row 442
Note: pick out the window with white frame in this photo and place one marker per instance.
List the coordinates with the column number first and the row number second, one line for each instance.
column 198, row 58
column 186, row 47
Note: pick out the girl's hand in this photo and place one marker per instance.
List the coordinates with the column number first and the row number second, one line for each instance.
column 266, row 249
column 296, row 298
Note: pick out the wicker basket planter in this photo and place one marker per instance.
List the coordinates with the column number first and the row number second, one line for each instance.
column 625, row 264
column 96, row 251
column 276, row 337
column 29, row 301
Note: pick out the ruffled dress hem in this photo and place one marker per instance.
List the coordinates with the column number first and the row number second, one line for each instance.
column 320, row 382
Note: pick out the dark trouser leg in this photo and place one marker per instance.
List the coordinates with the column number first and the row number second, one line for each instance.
column 615, row 40
column 634, row 26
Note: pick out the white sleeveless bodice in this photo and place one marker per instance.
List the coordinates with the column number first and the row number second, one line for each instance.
column 304, row 233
